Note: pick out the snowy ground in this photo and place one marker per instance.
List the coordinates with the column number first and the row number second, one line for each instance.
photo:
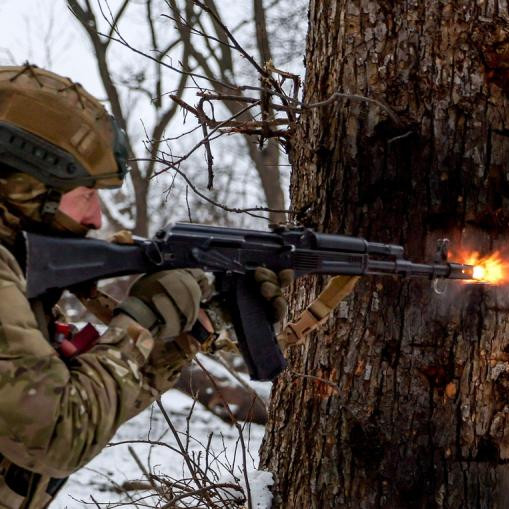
column 115, row 465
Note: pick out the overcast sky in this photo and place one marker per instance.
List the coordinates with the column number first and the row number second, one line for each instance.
column 45, row 33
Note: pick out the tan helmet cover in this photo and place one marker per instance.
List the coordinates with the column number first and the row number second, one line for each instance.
column 66, row 126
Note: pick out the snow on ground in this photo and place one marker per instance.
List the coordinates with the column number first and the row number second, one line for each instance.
column 115, row 465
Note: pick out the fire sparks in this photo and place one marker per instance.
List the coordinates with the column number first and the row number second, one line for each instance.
column 492, row 269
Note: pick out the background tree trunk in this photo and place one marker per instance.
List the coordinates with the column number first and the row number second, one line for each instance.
column 420, row 416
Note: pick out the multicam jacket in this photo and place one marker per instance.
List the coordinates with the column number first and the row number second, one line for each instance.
column 56, row 415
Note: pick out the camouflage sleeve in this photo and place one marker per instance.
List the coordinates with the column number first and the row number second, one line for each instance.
column 55, row 416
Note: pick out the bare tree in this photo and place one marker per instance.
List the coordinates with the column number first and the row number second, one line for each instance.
column 163, row 112
column 199, row 58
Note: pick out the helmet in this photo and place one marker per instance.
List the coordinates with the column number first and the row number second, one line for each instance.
column 52, row 129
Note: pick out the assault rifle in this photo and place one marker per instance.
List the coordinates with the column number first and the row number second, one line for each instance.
column 231, row 254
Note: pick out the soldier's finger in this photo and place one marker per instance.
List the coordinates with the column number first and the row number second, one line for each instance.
column 286, row 277
column 206, row 287
column 262, row 274
column 270, row 290
column 279, row 307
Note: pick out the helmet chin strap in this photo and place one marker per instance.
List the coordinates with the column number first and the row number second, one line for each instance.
column 62, row 223
column 50, row 205
column 55, row 220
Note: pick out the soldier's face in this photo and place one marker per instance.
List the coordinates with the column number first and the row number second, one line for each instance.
column 83, row 206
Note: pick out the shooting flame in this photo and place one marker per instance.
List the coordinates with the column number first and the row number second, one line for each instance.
column 492, row 269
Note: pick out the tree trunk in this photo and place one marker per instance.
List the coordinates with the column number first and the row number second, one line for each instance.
column 419, row 415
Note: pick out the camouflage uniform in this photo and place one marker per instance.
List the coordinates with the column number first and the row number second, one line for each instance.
column 57, row 416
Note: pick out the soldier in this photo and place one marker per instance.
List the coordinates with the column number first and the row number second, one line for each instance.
column 57, row 146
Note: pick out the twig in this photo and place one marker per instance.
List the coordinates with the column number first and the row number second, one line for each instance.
column 112, row 481
column 187, row 459
column 235, row 375
column 188, row 424
column 298, row 105
column 174, row 166
column 147, row 475
column 262, row 72
column 95, row 502
column 240, row 98
column 230, row 36
column 401, row 137
column 242, row 126
column 147, row 441
column 249, row 211
column 203, row 490
column 123, row 42
column 208, row 137
column 208, row 150
column 207, row 450
column 239, row 429
column 188, row 206
column 196, row 31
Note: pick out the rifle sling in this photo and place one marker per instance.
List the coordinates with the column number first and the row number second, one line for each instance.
column 318, row 312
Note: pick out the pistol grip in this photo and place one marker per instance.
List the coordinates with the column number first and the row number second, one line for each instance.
column 255, row 333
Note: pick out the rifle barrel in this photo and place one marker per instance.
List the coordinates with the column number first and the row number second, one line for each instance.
column 410, row 269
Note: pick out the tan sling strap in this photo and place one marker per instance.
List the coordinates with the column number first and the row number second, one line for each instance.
column 317, row 313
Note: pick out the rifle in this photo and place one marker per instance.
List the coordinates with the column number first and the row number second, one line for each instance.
column 231, row 254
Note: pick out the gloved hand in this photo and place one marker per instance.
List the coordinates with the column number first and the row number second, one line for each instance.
column 206, row 286
column 169, row 300
column 271, row 285
column 166, row 302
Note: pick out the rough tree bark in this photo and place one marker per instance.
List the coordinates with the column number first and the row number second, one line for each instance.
column 420, row 414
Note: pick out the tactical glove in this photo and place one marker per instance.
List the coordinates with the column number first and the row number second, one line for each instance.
column 205, row 284
column 166, row 302
column 271, row 285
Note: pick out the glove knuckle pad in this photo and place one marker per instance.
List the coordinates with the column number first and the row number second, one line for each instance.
column 185, row 293
column 174, row 294
column 280, row 308
column 286, row 277
column 269, row 290
column 263, row 274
